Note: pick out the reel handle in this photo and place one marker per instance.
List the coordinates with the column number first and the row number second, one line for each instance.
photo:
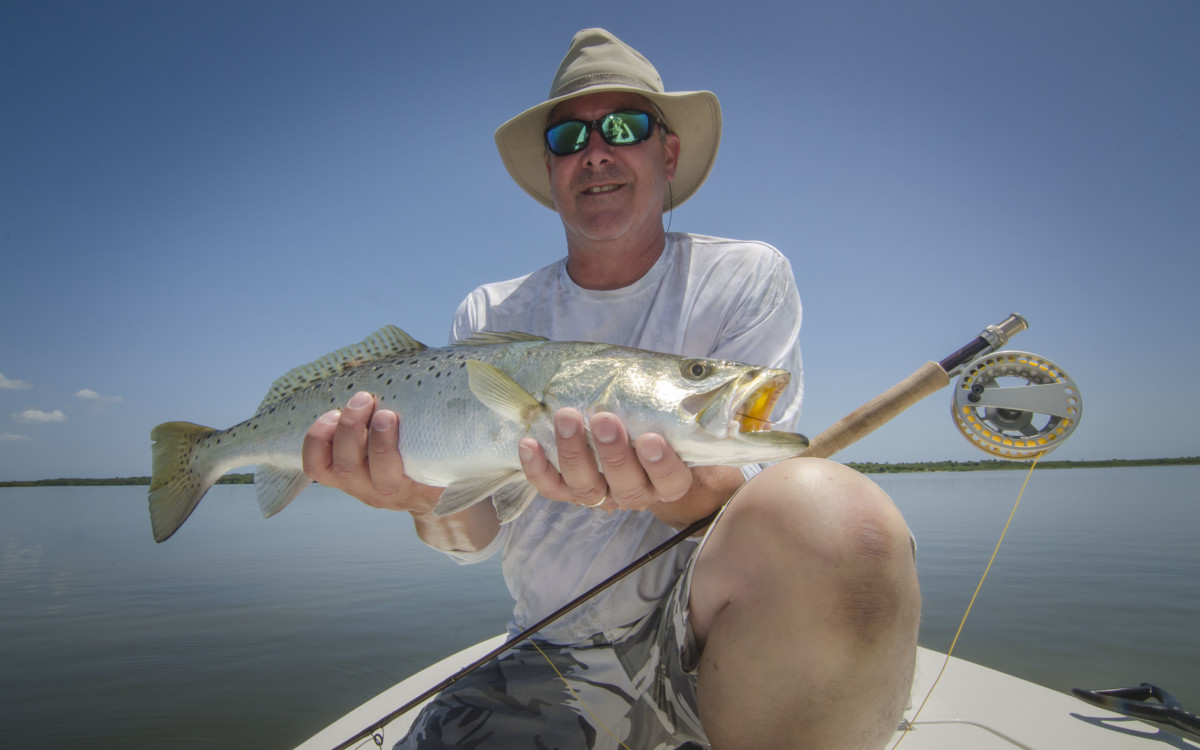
column 989, row 340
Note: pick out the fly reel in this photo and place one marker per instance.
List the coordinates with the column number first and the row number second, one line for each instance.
column 1016, row 405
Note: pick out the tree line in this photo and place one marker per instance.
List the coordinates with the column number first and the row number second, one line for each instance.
column 866, row 467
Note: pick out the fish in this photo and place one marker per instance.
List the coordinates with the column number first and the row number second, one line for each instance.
column 465, row 407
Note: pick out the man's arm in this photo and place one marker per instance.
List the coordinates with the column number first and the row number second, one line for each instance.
column 357, row 451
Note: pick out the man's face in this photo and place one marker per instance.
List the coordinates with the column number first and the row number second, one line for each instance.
column 606, row 192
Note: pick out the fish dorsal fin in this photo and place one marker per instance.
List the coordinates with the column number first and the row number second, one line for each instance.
column 388, row 341
column 484, row 338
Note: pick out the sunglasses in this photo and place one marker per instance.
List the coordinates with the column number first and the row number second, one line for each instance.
column 623, row 128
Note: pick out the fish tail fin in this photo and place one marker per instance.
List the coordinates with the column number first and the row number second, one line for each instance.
column 179, row 479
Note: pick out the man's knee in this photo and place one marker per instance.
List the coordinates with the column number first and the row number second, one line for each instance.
column 840, row 523
column 831, row 506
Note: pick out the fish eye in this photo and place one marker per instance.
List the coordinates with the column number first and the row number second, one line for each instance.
column 695, row 369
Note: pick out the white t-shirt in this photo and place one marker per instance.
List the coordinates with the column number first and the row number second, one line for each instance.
column 705, row 297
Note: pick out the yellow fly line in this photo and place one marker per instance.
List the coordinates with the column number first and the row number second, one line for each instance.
column 575, row 695
column 908, row 724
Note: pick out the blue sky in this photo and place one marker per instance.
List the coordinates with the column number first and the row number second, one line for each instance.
column 197, row 196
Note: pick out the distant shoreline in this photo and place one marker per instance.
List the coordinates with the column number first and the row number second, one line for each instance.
column 996, row 465
column 868, row 467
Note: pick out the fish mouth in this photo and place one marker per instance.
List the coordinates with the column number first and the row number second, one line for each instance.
column 743, row 404
column 754, row 409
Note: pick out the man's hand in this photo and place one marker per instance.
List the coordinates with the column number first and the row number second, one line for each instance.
column 357, row 451
column 644, row 475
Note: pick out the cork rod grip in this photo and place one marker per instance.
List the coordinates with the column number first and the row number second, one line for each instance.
column 866, row 418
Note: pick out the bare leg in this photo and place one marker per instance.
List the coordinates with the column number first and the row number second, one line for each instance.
column 806, row 605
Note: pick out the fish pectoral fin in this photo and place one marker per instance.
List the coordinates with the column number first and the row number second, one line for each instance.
column 464, row 493
column 512, row 499
column 500, row 393
column 278, row 487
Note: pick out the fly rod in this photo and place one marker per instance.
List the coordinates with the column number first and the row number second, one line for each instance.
column 930, row 377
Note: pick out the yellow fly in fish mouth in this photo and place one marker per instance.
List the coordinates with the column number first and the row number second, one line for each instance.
column 752, row 414
column 749, row 399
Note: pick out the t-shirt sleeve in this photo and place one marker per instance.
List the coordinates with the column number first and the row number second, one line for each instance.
column 470, row 558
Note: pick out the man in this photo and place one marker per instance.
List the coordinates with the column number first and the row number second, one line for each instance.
column 794, row 622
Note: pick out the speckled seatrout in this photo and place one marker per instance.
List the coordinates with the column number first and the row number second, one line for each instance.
column 465, row 407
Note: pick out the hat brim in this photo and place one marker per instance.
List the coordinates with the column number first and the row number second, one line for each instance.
column 695, row 116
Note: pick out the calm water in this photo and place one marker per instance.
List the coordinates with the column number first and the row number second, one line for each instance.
column 244, row 632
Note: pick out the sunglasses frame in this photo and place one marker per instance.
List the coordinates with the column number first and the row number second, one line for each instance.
column 596, row 126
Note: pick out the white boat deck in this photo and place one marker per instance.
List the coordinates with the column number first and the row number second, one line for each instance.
column 979, row 708
column 973, row 707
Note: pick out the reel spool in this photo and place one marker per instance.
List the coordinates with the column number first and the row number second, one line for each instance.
column 1015, row 405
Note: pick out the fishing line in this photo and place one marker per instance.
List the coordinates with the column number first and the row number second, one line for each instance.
column 908, row 724
column 577, row 697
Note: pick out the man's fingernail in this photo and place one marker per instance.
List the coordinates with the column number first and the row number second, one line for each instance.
column 331, row 417
column 360, row 399
column 525, row 452
column 564, row 427
column 652, row 451
column 605, row 432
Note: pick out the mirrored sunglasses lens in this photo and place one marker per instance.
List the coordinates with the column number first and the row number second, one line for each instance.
column 567, row 137
column 625, row 128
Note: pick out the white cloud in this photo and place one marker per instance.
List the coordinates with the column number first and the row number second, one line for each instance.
column 12, row 385
column 32, row 416
column 6, row 437
column 89, row 394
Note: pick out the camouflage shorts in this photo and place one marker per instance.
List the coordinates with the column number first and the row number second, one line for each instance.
column 638, row 692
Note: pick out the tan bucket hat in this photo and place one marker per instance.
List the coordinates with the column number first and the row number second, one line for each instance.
column 598, row 61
